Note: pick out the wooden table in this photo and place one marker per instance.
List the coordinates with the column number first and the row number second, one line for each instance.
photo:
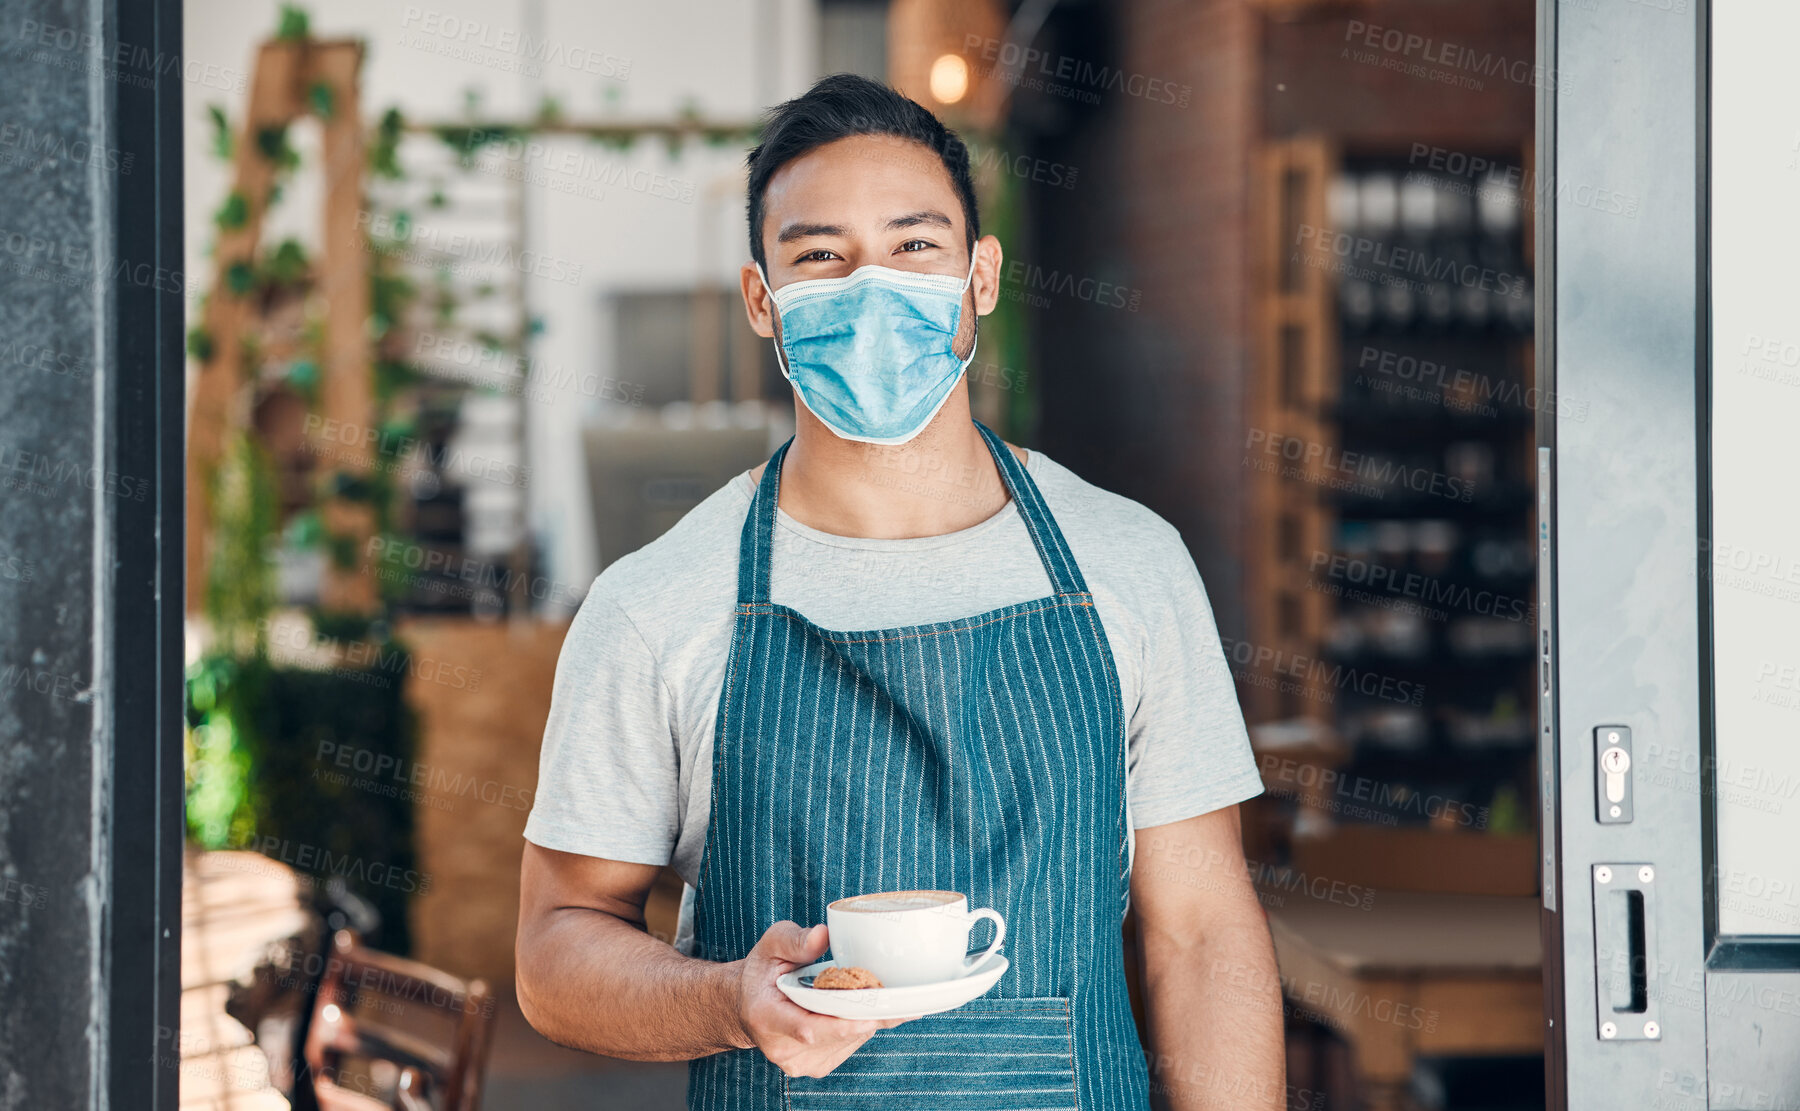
column 1416, row 973
column 232, row 906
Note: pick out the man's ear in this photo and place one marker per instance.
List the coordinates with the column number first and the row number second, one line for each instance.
column 986, row 283
column 758, row 305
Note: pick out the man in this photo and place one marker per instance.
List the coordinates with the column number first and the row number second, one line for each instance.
column 1034, row 677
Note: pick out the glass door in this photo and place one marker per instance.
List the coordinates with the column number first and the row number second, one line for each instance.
column 1669, row 537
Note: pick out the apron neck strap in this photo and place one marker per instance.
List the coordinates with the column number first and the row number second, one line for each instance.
column 757, row 542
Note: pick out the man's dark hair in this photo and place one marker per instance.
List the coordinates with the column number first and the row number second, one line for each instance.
column 836, row 108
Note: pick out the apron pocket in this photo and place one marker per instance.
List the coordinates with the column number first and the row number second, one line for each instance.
column 987, row 1055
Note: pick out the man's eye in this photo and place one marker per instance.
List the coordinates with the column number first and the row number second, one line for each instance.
column 819, row 255
column 917, row 245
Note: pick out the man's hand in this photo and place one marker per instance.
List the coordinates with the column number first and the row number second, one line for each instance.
column 1210, row 982
column 799, row 1042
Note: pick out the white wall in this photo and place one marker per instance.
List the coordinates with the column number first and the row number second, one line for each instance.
column 727, row 58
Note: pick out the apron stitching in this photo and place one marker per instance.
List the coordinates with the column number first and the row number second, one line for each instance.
column 935, row 632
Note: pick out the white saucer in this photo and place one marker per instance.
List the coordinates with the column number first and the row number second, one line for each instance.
column 921, row 999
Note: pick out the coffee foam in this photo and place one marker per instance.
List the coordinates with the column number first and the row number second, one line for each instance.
column 898, row 900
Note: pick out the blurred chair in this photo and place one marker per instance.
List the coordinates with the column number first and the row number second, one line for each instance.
column 389, row 1034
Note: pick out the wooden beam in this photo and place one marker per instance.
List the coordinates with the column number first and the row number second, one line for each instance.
column 346, row 380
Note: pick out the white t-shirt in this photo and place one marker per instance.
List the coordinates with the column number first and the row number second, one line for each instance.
column 626, row 769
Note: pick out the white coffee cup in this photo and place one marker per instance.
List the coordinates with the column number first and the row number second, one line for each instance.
column 908, row 938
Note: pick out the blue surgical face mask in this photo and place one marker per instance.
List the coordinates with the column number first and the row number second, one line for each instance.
column 871, row 354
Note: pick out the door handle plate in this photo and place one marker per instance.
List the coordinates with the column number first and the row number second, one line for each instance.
column 1625, row 975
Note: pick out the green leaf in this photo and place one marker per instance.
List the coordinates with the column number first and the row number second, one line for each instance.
column 287, row 265
column 222, row 141
column 240, row 278
column 305, row 530
column 322, row 99
column 294, row 23
column 200, row 344
column 303, row 375
column 234, row 213
column 384, row 152
column 272, row 144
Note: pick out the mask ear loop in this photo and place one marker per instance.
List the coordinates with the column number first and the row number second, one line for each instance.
column 975, row 338
column 780, row 355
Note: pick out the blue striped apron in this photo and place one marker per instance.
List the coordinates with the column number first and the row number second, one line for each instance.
column 984, row 755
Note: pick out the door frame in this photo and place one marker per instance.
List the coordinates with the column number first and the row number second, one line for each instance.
column 1623, row 616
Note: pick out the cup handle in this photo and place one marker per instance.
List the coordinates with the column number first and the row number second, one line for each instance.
column 974, row 916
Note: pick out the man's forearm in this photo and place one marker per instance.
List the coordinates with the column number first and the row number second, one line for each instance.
column 1215, row 1018
column 592, row 981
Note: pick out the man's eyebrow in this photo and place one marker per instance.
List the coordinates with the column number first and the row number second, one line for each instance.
column 914, row 219
column 791, row 232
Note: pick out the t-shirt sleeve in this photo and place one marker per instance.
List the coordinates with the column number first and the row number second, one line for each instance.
column 1189, row 753
column 608, row 774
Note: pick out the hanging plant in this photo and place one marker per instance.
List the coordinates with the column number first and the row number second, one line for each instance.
column 384, row 151
column 223, row 142
column 294, row 24
column 468, row 142
column 240, row 581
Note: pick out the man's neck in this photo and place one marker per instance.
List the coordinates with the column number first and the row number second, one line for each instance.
column 942, row 480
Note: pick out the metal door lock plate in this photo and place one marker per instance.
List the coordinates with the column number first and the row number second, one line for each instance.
column 1613, row 791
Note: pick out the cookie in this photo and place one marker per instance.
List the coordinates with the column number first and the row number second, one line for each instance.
column 837, row 979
